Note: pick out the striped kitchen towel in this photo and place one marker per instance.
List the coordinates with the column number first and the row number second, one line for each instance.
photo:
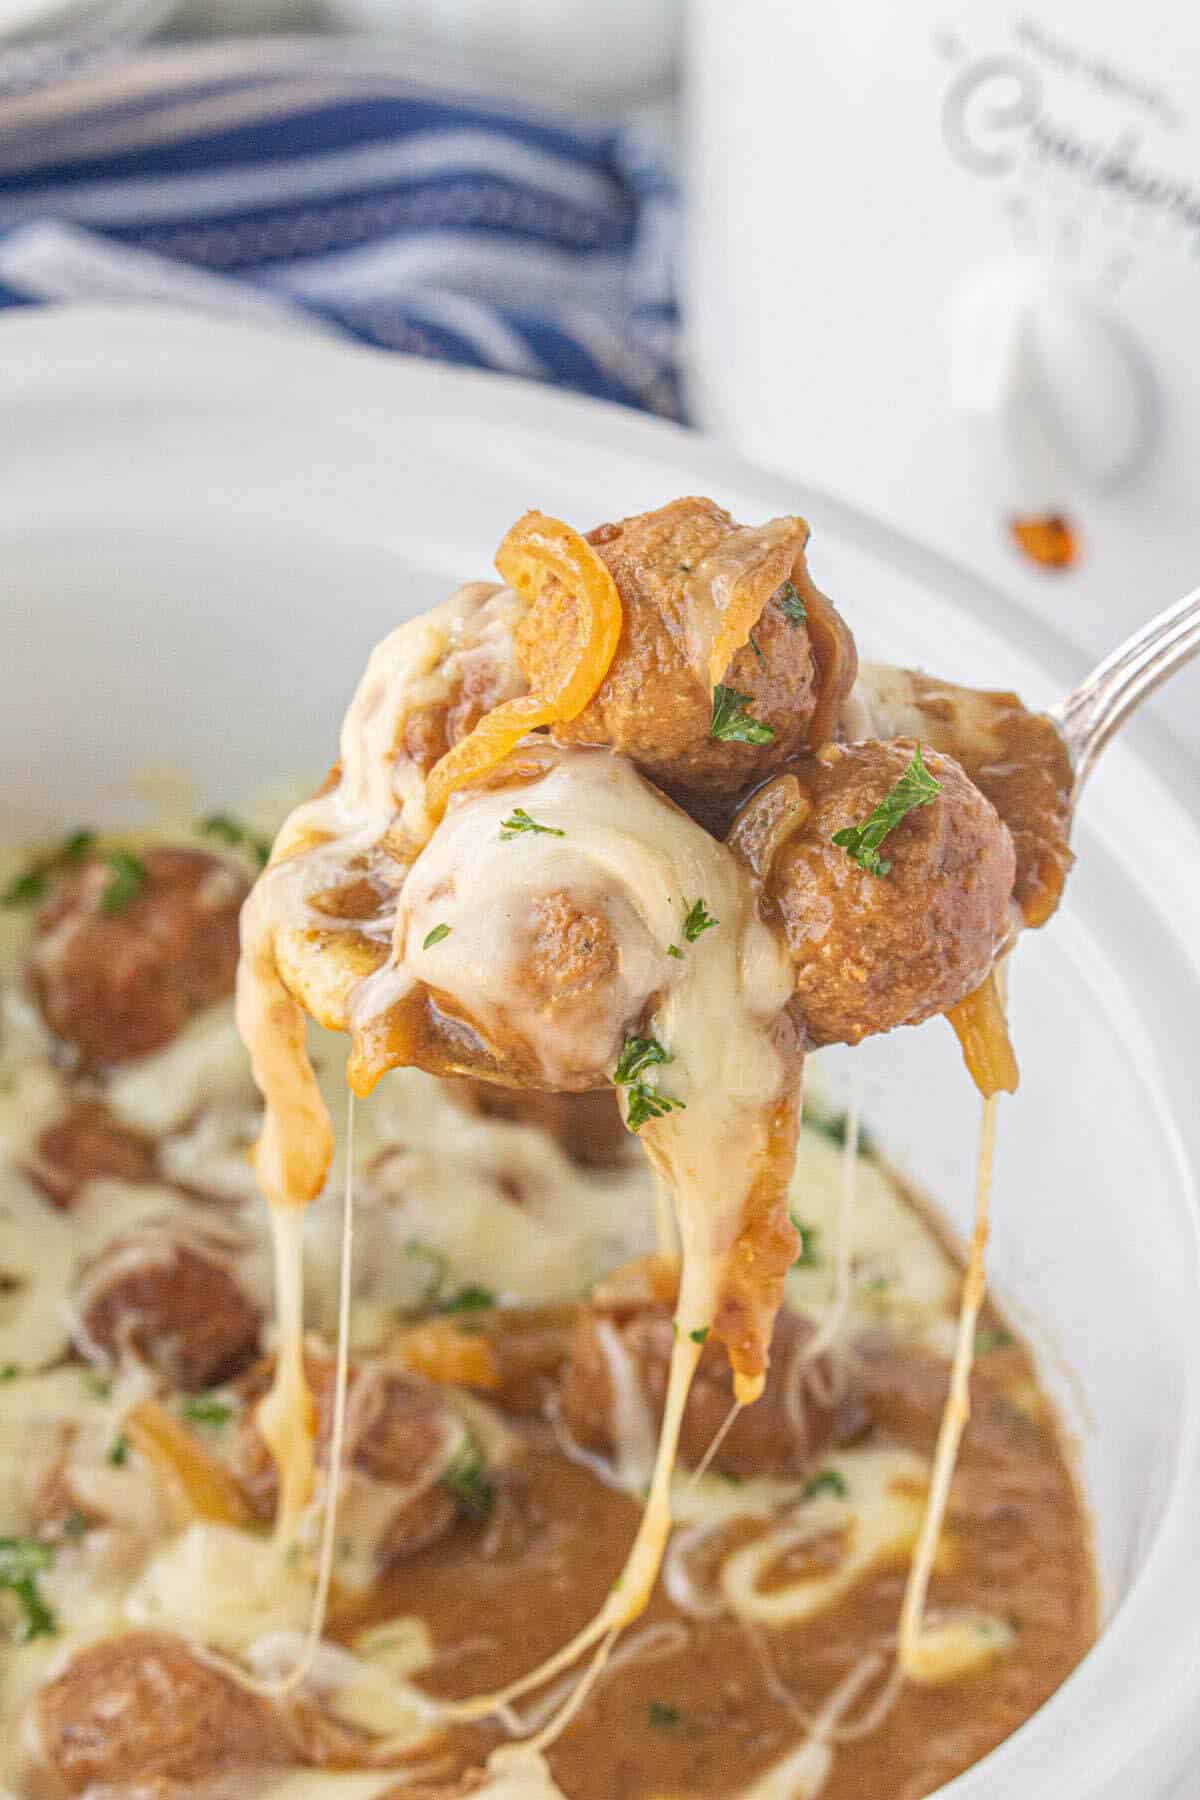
column 320, row 183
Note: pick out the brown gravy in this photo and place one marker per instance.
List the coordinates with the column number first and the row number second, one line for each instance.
column 703, row 1720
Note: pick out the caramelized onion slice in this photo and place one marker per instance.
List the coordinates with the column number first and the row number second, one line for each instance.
column 196, row 1485
column 575, row 611
column 982, row 1030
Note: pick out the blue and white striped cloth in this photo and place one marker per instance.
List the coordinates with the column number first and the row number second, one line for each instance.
column 313, row 181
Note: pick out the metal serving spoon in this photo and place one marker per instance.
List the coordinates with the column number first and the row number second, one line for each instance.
column 1088, row 717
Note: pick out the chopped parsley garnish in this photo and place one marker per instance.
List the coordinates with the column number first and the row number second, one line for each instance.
column 469, row 1299
column 127, row 876
column 435, row 936
column 519, row 820
column 22, row 1560
column 9, row 1372
column 663, row 1717
column 700, row 1334
column 755, row 648
column 636, row 1055
column 989, row 1338
column 916, row 787
column 698, row 919
column 230, row 830
column 98, row 1386
column 31, row 885
column 118, row 1452
column 834, row 1126
column 645, row 1102
column 791, row 603
column 466, row 1477
column 207, row 1409
column 75, row 1524
column 827, row 1482
column 732, row 723
column 674, row 950
column 438, row 1264
column 810, row 1256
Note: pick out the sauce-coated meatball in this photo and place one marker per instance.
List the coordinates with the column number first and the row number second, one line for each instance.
column 121, row 983
column 588, row 1127
column 672, row 569
column 875, row 951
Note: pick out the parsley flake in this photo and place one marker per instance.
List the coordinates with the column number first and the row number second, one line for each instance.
column 9, row 1372
column 810, row 1256
column 75, row 1524
column 663, row 1717
column 228, row 829
column 827, row 1482
column 791, row 603
column 207, row 1409
column 731, row 723
column 118, row 1452
column 469, row 1299
column 645, row 1102
column 32, row 884
column 127, row 876
column 22, row 1560
column 435, row 936
column 636, row 1055
column 916, row 787
column 698, row 1336
column 466, row 1477
column 519, row 820
column 698, row 919
column 755, row 648
column 438, row 1265
column 988, row 1339
column 674, row 950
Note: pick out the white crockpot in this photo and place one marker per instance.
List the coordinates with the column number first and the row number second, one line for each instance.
column 202, row 530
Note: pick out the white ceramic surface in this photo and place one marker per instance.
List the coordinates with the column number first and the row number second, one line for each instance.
column 204, row 527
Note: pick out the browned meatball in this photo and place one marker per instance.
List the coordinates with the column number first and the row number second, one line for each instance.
column 141, row 1707
column 84, row 1145
column 589, row 1127
column 655, row 704
column 875, row 951
column 175, row 1304
column 396, row 1426
column 119, row 984
column 779, row 1435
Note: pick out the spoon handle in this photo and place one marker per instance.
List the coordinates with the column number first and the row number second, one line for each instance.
column 1088, row 717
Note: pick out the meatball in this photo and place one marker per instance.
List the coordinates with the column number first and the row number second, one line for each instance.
column 779, row 1434
column 119, row 984
column 397, row 1427
column 875, row 951
column 588, row 1126
column 86, row 1144
column 674, row 570
column 141, row 1707
column 176, row 1304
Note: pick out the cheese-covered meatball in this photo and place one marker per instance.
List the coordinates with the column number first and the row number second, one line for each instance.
column 400, row 1436
column 676, row 571
column 119, row 967
column 173, row 1298
column 779, row 1434
column 873, row 951
column 142, row 1709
